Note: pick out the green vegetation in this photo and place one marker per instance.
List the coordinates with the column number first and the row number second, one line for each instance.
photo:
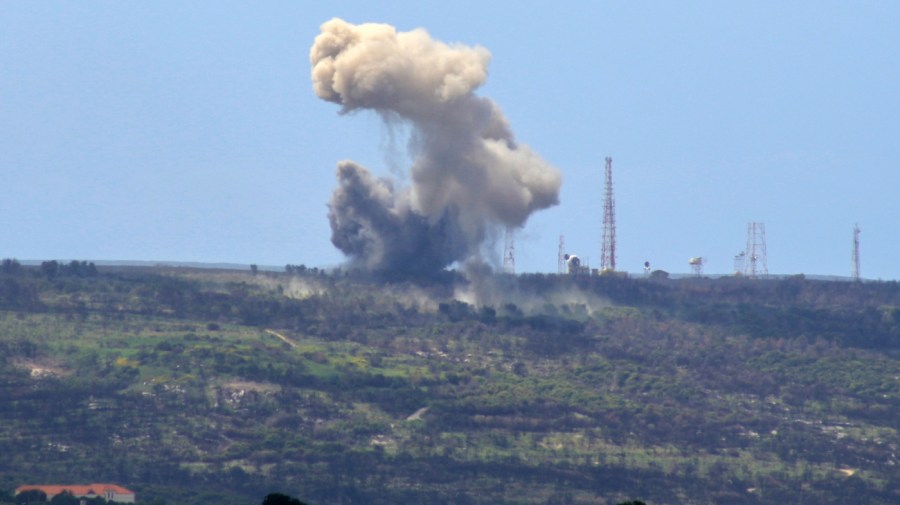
column 205, row 387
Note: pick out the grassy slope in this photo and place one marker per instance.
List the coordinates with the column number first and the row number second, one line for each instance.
column 675, row 392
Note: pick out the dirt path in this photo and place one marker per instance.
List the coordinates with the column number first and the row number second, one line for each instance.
column 282, row 337
column 417, row 414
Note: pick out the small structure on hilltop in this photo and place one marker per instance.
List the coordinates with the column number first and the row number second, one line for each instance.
column 574, row 265
column 696, row 266
column 109, row 492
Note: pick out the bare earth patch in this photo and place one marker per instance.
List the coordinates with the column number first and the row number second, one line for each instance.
column 259, row 387
column 42, row 368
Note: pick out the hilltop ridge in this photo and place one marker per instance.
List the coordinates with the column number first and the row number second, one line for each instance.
column 220, row 386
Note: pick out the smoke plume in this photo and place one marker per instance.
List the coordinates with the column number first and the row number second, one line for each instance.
column 468, row 176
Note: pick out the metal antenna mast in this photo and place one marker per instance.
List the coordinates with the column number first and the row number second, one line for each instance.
column 739, row 260
column 855, row 272
column 561, row 256
column 509, row 252
column 756, row 263
column 608, row 249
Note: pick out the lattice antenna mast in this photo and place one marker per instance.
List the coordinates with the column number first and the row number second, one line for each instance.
column 509, row 252
column 561, row 256
column 755, row 261
column 739, row 261
column 855, row 272
column 608, row 248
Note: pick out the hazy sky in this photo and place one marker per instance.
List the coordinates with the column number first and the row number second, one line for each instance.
column 189, row 131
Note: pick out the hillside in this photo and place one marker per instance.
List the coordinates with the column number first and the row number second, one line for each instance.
column 216, row 386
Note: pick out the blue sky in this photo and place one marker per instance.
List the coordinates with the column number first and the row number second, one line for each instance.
column 189, row 131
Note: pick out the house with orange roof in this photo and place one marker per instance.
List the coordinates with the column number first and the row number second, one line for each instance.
column 109, row 492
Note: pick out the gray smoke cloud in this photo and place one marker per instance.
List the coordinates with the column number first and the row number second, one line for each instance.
column 468, row 176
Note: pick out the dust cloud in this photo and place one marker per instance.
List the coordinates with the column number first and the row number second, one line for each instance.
column 469, row 176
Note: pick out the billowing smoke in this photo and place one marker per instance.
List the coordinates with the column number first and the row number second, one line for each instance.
column 469, row 175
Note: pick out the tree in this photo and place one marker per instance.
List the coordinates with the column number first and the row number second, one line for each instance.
column 254, row 269
column 10, row 267
column 31, row 496
column 6, row 496
column 281, row 499
column 78, row 269
column 64, row 498
column 50, row 268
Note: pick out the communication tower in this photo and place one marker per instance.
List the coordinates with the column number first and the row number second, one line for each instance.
column 509, row 252
column 756, row 263
column 696, row 266
column 561, row 256
column 739, row 263
column 608, row 248
column 855, row 272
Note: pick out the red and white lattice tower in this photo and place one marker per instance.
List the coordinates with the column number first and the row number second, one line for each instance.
column 855, row 272
column 608, row 247
column 755, row 261
column 509, row 252
column 561, row 256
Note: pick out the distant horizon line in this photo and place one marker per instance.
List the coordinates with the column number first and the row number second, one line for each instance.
column 276, row 268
